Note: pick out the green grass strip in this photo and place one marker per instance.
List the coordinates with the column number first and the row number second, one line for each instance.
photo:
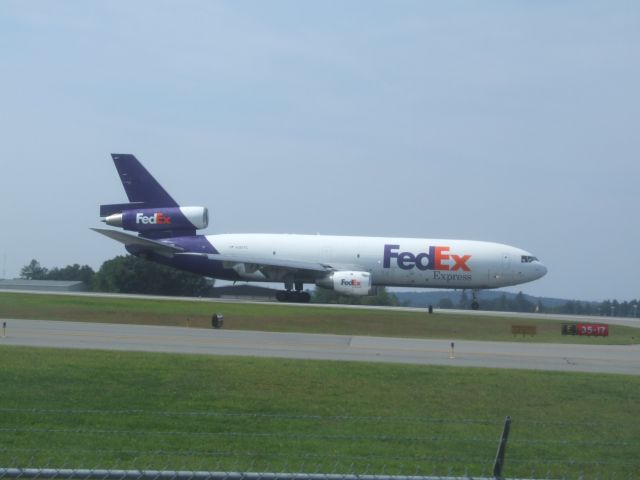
column 287, row 318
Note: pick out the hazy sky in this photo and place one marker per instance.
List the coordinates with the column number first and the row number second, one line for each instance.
column 515, row 122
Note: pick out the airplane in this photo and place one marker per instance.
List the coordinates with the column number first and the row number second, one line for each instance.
column 165, row 232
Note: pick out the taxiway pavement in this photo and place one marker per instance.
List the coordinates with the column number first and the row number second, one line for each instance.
column 624, row 359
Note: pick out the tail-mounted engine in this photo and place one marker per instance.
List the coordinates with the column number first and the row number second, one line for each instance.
column 348, row 283
column 150, row 220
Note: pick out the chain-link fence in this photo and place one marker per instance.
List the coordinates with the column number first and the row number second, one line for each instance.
column 130, row 442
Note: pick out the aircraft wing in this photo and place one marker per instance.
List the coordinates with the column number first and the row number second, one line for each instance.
column 139, row 242
column 264, row 268
column 273, row 268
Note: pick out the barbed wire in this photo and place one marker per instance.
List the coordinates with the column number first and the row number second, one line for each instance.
column 338, row 418
column 397, row 438
column 241, row 434
column 393, row 419
column 251, row 415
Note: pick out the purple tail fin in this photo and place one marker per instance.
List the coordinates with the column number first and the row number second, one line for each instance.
column 151, row 211
column 143, row 190
column 140, row 186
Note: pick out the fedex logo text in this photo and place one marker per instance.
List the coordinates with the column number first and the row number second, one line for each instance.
column 437, row 258
column 155, row 219
column 350, row 283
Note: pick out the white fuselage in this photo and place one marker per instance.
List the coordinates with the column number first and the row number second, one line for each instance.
column 405, row 262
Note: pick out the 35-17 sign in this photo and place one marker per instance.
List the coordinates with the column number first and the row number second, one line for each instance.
column 592, row 330
column 586, row 329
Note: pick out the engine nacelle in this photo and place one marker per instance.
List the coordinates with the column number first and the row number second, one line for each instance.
column 157, row 219
column 348, row 283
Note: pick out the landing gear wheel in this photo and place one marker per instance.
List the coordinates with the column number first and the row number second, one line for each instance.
column 293, row 297
column 303, row 297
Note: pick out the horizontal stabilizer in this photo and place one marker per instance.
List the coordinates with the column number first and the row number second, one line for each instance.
column 112, row 208
column 139, row 243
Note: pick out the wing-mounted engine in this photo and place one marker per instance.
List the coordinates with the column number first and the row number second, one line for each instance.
column 159, row 221
column 348, row 283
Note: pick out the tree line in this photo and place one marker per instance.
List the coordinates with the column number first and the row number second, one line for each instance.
column 520, row 303
column 611, row 308
column 503, row 303
column 125, row 274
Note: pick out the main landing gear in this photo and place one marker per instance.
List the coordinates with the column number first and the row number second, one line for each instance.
column 293, row 297
column 297, row 296
column 474, row 300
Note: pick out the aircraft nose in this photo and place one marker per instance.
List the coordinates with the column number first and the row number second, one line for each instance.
column 540, row 270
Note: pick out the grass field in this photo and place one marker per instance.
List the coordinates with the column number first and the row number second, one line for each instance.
column 286, row 318
column 87, row 409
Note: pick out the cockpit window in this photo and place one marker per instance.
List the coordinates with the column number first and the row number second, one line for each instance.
column 527, row 259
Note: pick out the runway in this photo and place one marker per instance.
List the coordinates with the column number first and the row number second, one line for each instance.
column 529, row 356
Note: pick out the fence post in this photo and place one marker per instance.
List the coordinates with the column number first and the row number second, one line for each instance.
column 502, row 447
